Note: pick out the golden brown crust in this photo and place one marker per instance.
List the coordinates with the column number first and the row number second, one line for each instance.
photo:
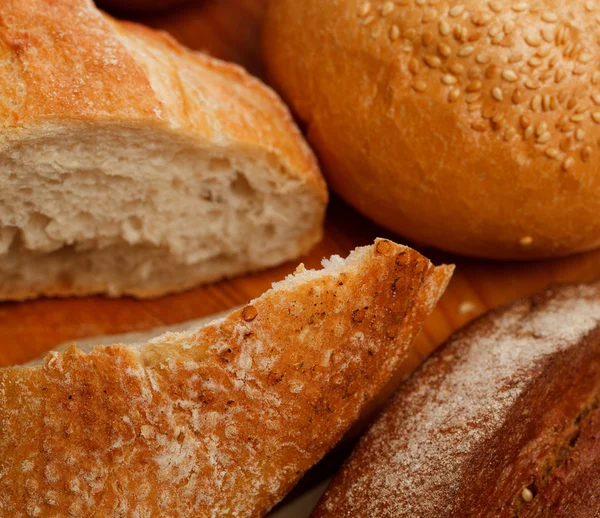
column 221, row 422
column 469, row 126
column 509, row 403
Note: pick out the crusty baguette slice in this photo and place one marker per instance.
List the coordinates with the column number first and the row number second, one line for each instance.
column 130, row 165
column 502, row 422
column 222, row 421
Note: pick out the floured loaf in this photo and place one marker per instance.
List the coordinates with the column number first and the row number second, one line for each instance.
column 502, row 422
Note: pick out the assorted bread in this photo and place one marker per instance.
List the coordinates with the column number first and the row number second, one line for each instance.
column 502, row 421
column 131, row 165
column 467, row 125
column 221, row 421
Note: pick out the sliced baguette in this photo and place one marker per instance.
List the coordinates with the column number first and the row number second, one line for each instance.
column 131, row 165
column 503, row 421
column 223, row 421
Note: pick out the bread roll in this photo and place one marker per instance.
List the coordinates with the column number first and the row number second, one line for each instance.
column 139, row 6
column 467, row 125
column 131, row 165
column 502, row 422
column 220, row 422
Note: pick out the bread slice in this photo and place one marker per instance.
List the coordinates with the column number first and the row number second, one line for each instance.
column 218, row 422
column 131, row 165
column 502, row 422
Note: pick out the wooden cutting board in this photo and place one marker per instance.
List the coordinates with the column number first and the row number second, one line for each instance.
column 230, row 29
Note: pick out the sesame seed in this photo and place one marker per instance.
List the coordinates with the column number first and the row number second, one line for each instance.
column 474, row 108
column 536, row 102
column 457, row 10
column 481, row 19
column 586, row 153
column 494, row 30
column 596, row 117
column 429, row 15
column 413, row 66
column 549, row 17
column 567, row 164
column 394, row 32
column 465, row 51
column 520, row 7
column 585, row 58
column 545, row 138
column 509, row 27
column 596, row 98
column 565, row 145
column 542, row 128
column 560, row 75
column 456, row 68
column 589, row 5
column 473, row 97
column 387, row 8
column 546, row 102
column 509, row 75
column 482, row 58
column 579, row 70
column 544, row 52
column 534, row 62
column 445, row 28
column 474, row 73
column 526, row 241
column 531, row 84
column 548, row 34
column 571, row 103
column 497, row 93
column 369, row 20
column 449, row 79
column 498, row 38
column 420, row 2
column 478, row 126
column 496, row 7
column 596, row 78
column 580, row 118
column 427, row 38
column 460, row 33
column 410, row 34
column 552, row 152
column 453, row 95
column 532, row 40
column 420, row 86
column 510, row 134
column 433, row 61
column 517, row 97
column 525, row 121
column 444, row 49
column 580, row 135
column 529, row 132
column 474, row 86
column 365, row 8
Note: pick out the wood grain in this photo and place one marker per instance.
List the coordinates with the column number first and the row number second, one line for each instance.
column 230, row 29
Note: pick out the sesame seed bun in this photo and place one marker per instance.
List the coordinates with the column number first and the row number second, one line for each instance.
column 470, row 126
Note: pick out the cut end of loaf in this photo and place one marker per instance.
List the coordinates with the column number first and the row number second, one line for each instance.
column 135, row 211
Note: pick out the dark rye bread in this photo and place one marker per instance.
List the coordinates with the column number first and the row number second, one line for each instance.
column 502, row 422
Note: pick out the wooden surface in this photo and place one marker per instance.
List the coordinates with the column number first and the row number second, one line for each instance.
column 229, row 29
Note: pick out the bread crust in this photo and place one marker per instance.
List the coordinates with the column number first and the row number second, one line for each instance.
column 468, row 126
column 70, row 65
column 222, row 421
column 508, row 403
column 139, row 6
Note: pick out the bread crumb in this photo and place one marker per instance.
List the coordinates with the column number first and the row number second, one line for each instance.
column 467, row 307
column 527, row 495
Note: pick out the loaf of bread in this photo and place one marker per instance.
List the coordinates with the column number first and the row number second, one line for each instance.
column 220, row 422
column 468, row 125
column 502, row 422
column 131, row 165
